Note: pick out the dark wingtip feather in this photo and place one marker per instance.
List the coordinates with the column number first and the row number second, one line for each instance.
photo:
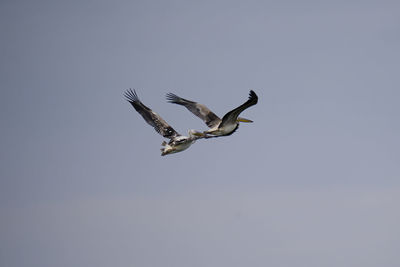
column 172, row 98
column 253, row 96
column 131, row 95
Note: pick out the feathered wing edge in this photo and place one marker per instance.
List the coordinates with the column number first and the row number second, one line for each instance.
column 200, row 110
column 234, row 114
column 152, row 118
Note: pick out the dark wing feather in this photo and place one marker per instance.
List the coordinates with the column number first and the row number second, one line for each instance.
column 232, row 115
column 197, row 109
column 150, row 116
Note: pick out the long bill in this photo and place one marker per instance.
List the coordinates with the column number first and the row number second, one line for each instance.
column 240, row 119
column 196, row 133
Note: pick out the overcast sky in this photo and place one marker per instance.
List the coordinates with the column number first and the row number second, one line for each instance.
column 314, row 181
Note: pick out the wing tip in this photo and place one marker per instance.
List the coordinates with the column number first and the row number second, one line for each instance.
column 172, row 98
column 253, row 96
column 131, row 95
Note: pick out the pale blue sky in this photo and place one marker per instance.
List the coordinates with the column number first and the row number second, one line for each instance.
column 314, row 181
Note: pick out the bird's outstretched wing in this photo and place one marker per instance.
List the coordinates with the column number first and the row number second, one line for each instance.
column 232, row 115
column 197, row 109
column 152, row 118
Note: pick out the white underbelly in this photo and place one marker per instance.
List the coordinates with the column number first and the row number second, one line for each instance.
column 183, row 146
column 227, row 129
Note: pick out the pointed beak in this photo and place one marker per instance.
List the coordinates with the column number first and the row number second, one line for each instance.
column 199, row 134
column 239, row 119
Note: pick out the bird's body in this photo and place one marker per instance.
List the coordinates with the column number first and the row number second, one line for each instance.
column 223, row 131
column 177, row 142
column 218, row 127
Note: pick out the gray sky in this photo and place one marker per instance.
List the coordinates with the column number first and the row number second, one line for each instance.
column 314, row 181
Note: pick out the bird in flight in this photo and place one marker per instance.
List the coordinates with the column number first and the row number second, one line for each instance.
column 177, row 142
column 218, row 127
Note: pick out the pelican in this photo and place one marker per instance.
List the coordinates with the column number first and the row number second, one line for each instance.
column 177, row 142
column 218, row 127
